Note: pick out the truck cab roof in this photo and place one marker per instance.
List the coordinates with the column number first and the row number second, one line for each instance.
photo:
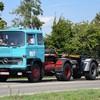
column 26, row 30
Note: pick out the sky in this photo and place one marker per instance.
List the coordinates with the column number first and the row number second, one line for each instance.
column 73, row 10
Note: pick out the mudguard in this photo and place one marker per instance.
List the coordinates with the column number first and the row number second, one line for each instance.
column 87, row 62
column 60, row 64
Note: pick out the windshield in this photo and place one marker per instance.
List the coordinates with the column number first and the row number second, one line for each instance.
column 11, row 38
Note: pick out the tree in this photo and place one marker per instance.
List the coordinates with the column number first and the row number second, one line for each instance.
column 80, row 38
column 95, row 28
column 86, row 40
column 94, row 37
column 2, row 22
column 96, row 20
column 60, row 36
column 27, row 14
column 1, row 6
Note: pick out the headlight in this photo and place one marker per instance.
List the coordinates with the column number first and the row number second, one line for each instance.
column 20, row 62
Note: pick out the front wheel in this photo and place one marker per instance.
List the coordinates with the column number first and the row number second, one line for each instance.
column 91, row 74
column 35, row 75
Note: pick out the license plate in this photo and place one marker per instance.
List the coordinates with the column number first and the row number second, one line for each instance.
column 4, row 73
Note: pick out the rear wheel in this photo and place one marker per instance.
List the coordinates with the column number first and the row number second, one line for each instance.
column 35, row 75
column 91, row 74
column 66, row 74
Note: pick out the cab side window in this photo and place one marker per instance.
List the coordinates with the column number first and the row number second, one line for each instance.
column 39, row 39
column 31, row 39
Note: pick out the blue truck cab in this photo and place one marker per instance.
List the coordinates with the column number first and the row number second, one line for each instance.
column 21, row 53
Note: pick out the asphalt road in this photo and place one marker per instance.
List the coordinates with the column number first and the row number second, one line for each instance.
column 16, row 87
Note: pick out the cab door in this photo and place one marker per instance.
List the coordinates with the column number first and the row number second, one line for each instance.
column 40, row 47
column 31, row 46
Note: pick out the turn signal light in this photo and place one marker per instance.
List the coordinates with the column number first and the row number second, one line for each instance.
column 58, row 64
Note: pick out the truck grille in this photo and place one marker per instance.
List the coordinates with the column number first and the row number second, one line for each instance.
column 10, row 60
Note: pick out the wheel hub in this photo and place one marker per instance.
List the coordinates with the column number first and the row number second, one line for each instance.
column 35, row 73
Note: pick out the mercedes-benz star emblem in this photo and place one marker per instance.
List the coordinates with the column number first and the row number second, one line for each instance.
column 5, row 61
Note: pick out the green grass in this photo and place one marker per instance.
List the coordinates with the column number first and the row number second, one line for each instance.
column 67, row 95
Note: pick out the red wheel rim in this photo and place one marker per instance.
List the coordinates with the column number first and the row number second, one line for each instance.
column 36, row 72
column 67, row 73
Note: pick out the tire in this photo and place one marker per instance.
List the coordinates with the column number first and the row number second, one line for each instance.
column 91, row 75
column 35, row 75
column 67, row 72
column 3, row 78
